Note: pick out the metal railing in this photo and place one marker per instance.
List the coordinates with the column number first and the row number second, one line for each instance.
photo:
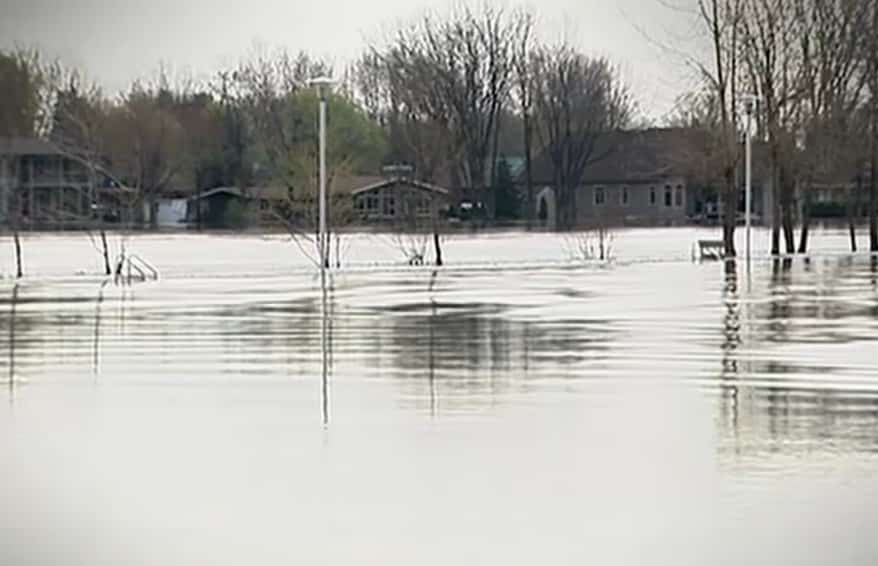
column 133, row 267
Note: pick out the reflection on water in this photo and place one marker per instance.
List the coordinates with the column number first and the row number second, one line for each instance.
column 805, row 378
column 795, row 346
column 556, row 386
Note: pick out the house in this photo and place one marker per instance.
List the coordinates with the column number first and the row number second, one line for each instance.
column 634, row 178
column 399, row 200
column 390, row 200
column 41, row 188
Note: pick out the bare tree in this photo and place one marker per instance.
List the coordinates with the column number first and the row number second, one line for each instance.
column 768, row 32
column 456, row 74
column 832, row 89
column 871, row 68
column 580, row 105
column 79, row 134
column 721, row 19
column 25, row 111
column 524, row 97
column 145, row 142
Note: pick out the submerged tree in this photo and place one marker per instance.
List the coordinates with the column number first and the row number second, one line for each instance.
column 721, row 19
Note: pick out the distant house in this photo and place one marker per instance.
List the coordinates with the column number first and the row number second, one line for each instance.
column 53, row 190
column 219, row 208
column 399, row 200
column 635, row 178
column 352, row 200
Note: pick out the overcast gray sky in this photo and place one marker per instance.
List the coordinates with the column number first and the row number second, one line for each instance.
column 116, row 41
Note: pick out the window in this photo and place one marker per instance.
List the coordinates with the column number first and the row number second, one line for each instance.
column 389, row 208
column 624, row 197
column 678, row 197
column 423, row 206
column 372, row 202
column 600, row 197
column 669, row 196
column 653, row 197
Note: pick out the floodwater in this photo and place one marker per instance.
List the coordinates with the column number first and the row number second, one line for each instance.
column 514, row 407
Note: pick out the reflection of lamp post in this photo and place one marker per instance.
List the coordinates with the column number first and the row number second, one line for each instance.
column 749, row 101
column 323, row 84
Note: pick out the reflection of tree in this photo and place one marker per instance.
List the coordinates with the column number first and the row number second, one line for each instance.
column 780, row 309
column 13, row 304
column 772, row 407
column 97, row 337
column 473, row 354
column 873, row 269
column 731, row 343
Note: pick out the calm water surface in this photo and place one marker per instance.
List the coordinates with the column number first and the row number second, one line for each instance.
column 512, row 408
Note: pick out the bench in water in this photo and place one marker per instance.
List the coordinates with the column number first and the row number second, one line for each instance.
column 711, row 249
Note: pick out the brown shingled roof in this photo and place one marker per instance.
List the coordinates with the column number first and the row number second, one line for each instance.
column 633, row 156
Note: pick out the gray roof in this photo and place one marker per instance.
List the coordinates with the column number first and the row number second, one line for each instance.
column 25, row 146
column 421, row 185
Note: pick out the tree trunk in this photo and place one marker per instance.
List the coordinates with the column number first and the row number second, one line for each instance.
column 19, row 271
column 730, row 214
column 806, row 222
column 437, row 245
column 873, row 209
column 775, row 204
column 14, row 214
column 873, row 187
column 786, row 205
column 106, row 249
column 853, row 209
column 528, row 172
column 154, row 213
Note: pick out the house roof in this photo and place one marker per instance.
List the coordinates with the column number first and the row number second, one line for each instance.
column 635, row 156
column 219, row 190
column 347, row 184
column 25, row 146
column 384, row 182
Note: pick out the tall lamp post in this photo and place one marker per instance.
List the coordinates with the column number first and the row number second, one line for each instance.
column 323, row 85
column 750, row 102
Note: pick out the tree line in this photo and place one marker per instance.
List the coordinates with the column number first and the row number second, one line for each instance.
column 813, row 66
column 452, row 94
column 449, row 95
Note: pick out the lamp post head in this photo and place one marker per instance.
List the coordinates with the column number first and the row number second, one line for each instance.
column 323, row 85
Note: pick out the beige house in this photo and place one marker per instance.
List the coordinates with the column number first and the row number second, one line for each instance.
column 633, row 178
